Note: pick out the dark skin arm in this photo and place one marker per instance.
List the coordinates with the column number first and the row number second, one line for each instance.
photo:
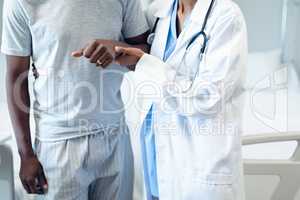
column 31, row 171
column 138, row 40
column 102, row 52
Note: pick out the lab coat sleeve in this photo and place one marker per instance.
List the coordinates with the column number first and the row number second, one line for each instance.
column 220, row 72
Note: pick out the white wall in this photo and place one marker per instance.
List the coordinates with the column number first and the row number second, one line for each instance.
column 264, row 23
column 2, row 65
column 293, row 41
column 297, row 46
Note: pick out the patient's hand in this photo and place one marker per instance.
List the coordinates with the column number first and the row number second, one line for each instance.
column 99, row 52
column 128, row 56
column 32, row 176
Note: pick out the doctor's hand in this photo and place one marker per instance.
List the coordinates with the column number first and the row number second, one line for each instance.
column 99, row 52
column 128, row 56
column 32, row 176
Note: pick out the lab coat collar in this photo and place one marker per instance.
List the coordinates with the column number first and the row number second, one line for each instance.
column 200, row 11
column 163, row 8
column 194, row 26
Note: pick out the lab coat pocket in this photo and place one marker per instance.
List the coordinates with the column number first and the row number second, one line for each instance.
column 209, row 187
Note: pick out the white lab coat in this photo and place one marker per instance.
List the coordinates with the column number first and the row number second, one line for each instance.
column 197, row 134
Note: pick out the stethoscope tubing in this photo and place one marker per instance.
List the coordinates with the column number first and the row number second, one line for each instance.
column 194, row 38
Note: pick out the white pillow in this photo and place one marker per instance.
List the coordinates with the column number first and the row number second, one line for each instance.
column 261, row 66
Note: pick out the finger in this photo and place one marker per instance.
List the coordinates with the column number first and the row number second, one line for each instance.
column 104, row 64
column 107, row 62
column 32, row 186
column 89, row 50
column 42, row 182
column 120, row 50
column 126, row 60
column 38, row 187
column 127, row 50
column 121, row 60
column 99, row 63
column 110, row 59
column 77, row 54
column 103, row 58
column 97, row 54
column 117, row 54
column 26, row 186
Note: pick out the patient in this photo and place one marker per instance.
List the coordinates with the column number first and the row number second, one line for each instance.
column 82, row 147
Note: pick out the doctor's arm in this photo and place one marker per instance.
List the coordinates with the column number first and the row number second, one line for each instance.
column 219, row 75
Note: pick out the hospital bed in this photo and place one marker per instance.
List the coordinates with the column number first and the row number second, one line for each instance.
column 271, row 113
column 271, row 142
column 286, row 170
column 6, row 173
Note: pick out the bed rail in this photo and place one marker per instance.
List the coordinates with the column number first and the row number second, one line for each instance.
column 5, row 139
column 6, row 172
column 288, row 170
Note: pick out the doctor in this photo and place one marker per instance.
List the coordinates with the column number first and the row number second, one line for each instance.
column 191, row 135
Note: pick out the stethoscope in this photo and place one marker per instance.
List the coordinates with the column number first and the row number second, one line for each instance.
column 202, row 34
